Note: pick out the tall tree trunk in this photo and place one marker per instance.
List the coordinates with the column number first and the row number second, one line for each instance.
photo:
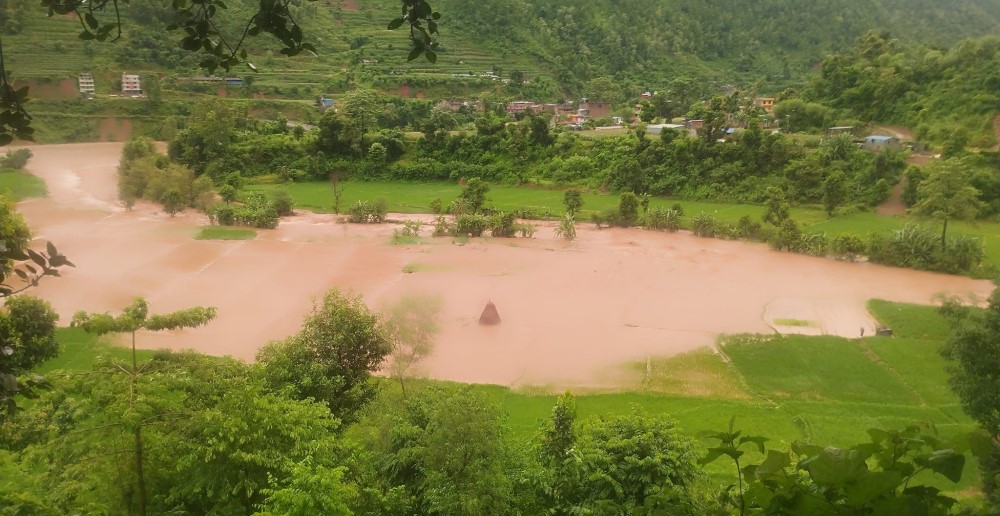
column 140, row 477
column 138, row 471
column 944, row 233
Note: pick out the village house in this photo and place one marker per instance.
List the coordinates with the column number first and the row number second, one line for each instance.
column 591, row 110
column 131, row 87
column 765, row 103
column 877, row 142
column 86, row 82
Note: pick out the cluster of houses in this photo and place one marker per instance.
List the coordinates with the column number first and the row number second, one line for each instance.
column 571, row 115
column 131, row 85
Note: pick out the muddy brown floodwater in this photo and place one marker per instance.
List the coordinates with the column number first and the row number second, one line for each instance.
column 572, row 312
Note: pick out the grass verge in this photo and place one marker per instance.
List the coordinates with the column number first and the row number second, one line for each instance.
column 225, row 233
column 21, row 185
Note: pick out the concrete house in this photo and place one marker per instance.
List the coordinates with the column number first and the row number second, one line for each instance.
column 878, row 142
column 86, row 82
column 131, row 86
column 589, row 110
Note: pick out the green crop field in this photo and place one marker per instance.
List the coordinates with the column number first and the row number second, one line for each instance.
column 416, row 198
column 21, row 185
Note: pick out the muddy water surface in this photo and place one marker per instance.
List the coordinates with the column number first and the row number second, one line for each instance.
column 571, row 311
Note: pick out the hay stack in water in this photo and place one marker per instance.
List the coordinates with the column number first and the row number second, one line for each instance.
column 490, row 315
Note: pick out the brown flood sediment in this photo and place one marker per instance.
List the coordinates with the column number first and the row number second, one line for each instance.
column 570, row 311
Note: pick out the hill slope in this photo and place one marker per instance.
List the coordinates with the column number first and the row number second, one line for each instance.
column 557, row 45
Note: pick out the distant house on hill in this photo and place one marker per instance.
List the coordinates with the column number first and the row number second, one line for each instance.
column 878, row 142
column 86, row 81
column 590, row 110
column 765, row 103
column 659, row 128
column 324, row 103
column 131, row 87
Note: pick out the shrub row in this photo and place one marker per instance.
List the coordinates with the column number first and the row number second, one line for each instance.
column 501, row 225
column 256, row 211
column 364, row 212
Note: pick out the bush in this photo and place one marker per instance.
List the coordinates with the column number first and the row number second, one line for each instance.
column 847, row 247
column 257, row 212
column 442, row 227
column 227, row 192
column 533, row 213
column 471, row 224
column 474, row 194
column 204, row 196
column 748, row 229
column 573, row 200
column 525, row 230
column 364, row 212
column 502, row 225
column 815, row 244
column 678, row 208
column 173, row 202
column 411, row 228
column 436, row 206
column 459, row 207
column 610, row 217
column 663, row 219
column 788, row 237
column 628, row 208
column 282, row 202
column 566, row 228
column 16, row 159
column 704, row 225
column 224, row 215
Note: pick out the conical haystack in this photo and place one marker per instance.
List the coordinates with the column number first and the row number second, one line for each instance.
column 490, row 315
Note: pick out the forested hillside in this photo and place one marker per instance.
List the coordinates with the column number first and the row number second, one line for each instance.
column 947, row 96
column 650, row 41
column 548, row 48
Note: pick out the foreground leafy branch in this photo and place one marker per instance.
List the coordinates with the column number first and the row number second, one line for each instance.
column 29, row 266
column 867, row 478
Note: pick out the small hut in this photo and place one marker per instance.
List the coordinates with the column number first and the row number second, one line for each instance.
column 490, row 315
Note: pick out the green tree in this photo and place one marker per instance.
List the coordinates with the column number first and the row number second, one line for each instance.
column 628, row 208
column 973, row 352
column 450, row 453
column 947, row 193
column 332, row 357
column 133, row 318
column 474, row 193
column 14, row 232
column 27, row 338
column 151, row 88
column 604, row 89
column 572, row 200
column 411, row 323
column 173, row 202
column 623, row 464
column 228, row 193
column 776, row 208
column 834, row 191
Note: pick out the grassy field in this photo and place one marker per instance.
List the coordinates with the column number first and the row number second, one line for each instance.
column 417, row 197
column 224, row 233
column 825, row 389
column 21, row 185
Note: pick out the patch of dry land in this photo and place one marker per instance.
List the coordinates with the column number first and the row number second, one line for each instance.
column 572, row 312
